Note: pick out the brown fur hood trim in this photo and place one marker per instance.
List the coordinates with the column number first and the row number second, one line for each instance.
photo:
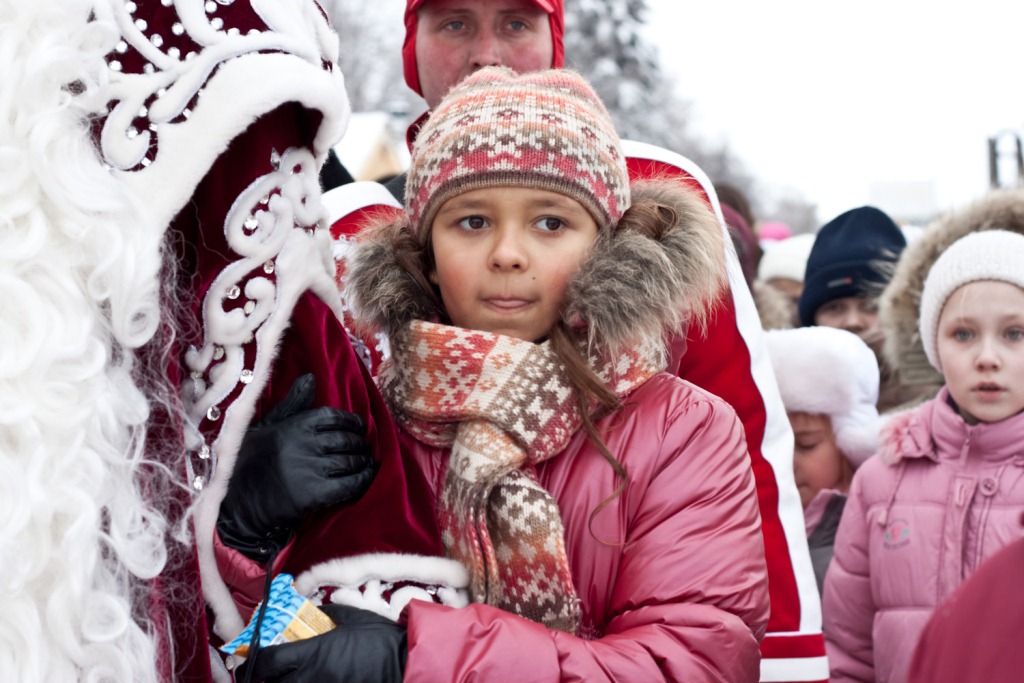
column 775, row 310
column 900, row 301
column 631, row 286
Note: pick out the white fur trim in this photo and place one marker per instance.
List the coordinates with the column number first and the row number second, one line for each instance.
column 362, row 581
column 828, row 371
column 344, row 199
column 794, row 669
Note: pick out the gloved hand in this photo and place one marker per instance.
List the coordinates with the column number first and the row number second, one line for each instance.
column 293, row 462
column 364, row 647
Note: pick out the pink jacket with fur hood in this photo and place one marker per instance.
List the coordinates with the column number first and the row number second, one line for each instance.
column 670, row 573
column 940, row 497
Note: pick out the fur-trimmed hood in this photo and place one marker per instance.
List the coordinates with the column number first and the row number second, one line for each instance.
column 630, row 287
column 900, row 301
column 775, row 310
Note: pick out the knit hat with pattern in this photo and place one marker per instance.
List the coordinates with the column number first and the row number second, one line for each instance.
column 545, row 129
column 985, row 255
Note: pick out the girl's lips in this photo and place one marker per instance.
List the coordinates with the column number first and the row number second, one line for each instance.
column 507, row 304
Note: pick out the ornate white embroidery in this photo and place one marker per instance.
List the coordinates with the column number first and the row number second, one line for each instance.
column 241, row 300
column 170, row 85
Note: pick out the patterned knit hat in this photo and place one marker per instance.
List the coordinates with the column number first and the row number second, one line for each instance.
column 546, row 129
column 986, row 255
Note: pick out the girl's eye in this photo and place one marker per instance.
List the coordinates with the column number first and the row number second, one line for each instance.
column 1015, row 334
column 473, row 223
column 962, row 335
column 550, row 224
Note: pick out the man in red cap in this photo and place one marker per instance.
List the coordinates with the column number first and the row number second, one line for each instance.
column 453, row 38
column 445, row 40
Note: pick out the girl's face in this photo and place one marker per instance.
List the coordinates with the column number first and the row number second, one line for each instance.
column 503, row 257
column 817, row 461
column 981, row 348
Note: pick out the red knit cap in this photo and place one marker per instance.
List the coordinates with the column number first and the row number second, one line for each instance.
column 555, row 11
column 545, row 129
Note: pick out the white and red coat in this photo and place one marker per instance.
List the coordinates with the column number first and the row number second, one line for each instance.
column 219, row 114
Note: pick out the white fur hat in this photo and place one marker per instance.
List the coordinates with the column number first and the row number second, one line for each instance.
column 828, row 371
column 985, row 255
column 786, row 258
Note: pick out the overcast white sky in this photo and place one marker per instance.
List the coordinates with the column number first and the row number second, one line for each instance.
column 829, row 97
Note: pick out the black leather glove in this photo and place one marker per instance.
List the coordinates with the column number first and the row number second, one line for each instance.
column 365, row 647
column 293, row 462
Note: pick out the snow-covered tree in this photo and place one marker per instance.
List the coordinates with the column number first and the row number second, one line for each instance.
column 370, row 33
column 605, row 41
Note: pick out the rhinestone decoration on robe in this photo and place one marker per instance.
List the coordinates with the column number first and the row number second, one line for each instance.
column 162, row 63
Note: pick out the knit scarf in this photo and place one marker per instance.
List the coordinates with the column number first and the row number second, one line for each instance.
column 502, row 405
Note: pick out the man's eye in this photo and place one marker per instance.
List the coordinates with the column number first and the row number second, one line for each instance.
column 517, row 25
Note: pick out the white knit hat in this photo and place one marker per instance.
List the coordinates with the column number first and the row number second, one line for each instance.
column 985, row 255
column 828, row 371
column 786, row 258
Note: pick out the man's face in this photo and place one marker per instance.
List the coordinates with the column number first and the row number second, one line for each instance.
column 454, row 38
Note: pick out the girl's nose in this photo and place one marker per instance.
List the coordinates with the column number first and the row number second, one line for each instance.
column 988, row 354
column 508, row 252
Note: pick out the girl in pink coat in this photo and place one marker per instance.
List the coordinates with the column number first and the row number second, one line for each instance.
column 603, row 509
column 947, row 488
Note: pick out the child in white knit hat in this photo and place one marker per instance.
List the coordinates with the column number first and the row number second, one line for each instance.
column 828, row 379
column 947, row 489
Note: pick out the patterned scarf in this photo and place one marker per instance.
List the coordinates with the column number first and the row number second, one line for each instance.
column 502, row 405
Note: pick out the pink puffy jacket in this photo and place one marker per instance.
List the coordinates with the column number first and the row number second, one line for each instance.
column 941, row 497
column 671, row 573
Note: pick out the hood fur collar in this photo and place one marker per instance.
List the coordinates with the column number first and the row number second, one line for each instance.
column 898, row 306
column 631, row 287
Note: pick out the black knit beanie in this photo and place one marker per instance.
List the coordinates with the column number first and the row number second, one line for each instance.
column 846, row 258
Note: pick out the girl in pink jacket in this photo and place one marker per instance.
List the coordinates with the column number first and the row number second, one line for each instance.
column 947, row 488
column 603, row 509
